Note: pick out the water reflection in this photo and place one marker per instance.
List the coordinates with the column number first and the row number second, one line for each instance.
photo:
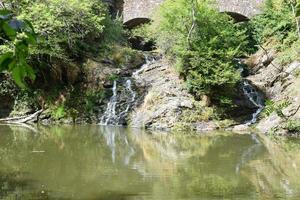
column 94, row 162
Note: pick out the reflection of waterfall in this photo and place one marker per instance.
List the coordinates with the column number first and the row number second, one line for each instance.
column 249, row 153
column 119, row 104
column 255, row 98
column 116, row 139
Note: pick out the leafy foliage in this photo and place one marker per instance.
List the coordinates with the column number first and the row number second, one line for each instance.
column 292, row 126
column 272, row 107
column 59, row 112
column 275, row 22
column 65, row 26
column 278, row 28
column 17, row 36
column 202, row 41
column 69, row 29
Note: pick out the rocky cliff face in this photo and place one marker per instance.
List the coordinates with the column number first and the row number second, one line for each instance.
column 164, row 97
column 281, row 85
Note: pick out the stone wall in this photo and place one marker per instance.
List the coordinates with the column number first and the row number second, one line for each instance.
column 247, row 8
column 143, row 9
column 139, row 9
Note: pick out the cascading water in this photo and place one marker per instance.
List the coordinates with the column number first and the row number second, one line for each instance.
column 132, row 95
column 252, row 94
column 144, row 67
column 110, row 113
column 255, row 98
column 123, row 98
column 119, row 104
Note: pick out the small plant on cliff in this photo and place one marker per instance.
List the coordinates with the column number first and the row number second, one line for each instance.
column 272, row 107
column 59, row 112
column 202, row 42
column 292, row 126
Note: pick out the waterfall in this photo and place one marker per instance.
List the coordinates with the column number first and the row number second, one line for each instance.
column 123, row 97
column 119, row 104
column 255, row 98
column 144, row 67
column 131, row 97
column 110, row 114
column 251, row 93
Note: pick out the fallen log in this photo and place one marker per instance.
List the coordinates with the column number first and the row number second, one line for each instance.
column 22, row 119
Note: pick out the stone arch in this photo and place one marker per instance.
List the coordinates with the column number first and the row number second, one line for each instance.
column 237, row 16
column 136, row 22
column 138, row 11
column 240, row 10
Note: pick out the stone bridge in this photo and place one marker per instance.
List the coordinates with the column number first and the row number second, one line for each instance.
column 136, row 12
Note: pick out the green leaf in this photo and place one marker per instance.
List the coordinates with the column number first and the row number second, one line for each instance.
column 18, row 73
column 5, row 60
column 28, row 24
column 10, row 32
column 5, row 14
column 31, row 39
column 297, row 10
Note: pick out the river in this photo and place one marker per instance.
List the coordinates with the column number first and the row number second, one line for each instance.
column 102, row 162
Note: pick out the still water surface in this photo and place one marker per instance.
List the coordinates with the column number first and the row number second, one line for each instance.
column 94, row 162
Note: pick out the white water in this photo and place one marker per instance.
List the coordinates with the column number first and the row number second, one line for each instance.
column 119, row 104
column 110, row 113
column 144, row 67
column 255, row 98
column 131, row 97
column 122, row 101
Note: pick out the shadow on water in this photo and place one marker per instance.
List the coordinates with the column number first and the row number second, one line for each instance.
column 102, row 162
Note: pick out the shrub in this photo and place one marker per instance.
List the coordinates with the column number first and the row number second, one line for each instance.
column 275, row 22
column 68, row 29
column 65, row 26
column 59, row 112
column 203, row 46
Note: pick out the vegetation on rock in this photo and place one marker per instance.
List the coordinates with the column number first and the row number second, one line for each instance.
column 203, row 42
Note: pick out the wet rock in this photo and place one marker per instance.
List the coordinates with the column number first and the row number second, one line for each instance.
column 269, row 123
column 163, row 99
column 97, row 74
column 240, row 128
column 140, row 43
column 260, row 60
column 206, row 126
column 280, row 84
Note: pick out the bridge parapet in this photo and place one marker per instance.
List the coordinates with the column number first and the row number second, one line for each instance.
column 139, row 11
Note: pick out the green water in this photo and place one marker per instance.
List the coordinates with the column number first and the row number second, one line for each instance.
column 94, row 162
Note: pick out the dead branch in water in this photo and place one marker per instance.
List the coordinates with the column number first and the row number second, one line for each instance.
column 21, row 120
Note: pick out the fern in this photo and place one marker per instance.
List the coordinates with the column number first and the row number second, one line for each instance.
column 277, row 107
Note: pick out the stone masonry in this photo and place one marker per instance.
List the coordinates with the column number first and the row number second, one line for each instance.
column 142, row 10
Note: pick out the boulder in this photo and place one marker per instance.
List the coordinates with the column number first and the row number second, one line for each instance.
column 269, row 123
column 240, row 128
column 293, row 67
column 206, row 126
